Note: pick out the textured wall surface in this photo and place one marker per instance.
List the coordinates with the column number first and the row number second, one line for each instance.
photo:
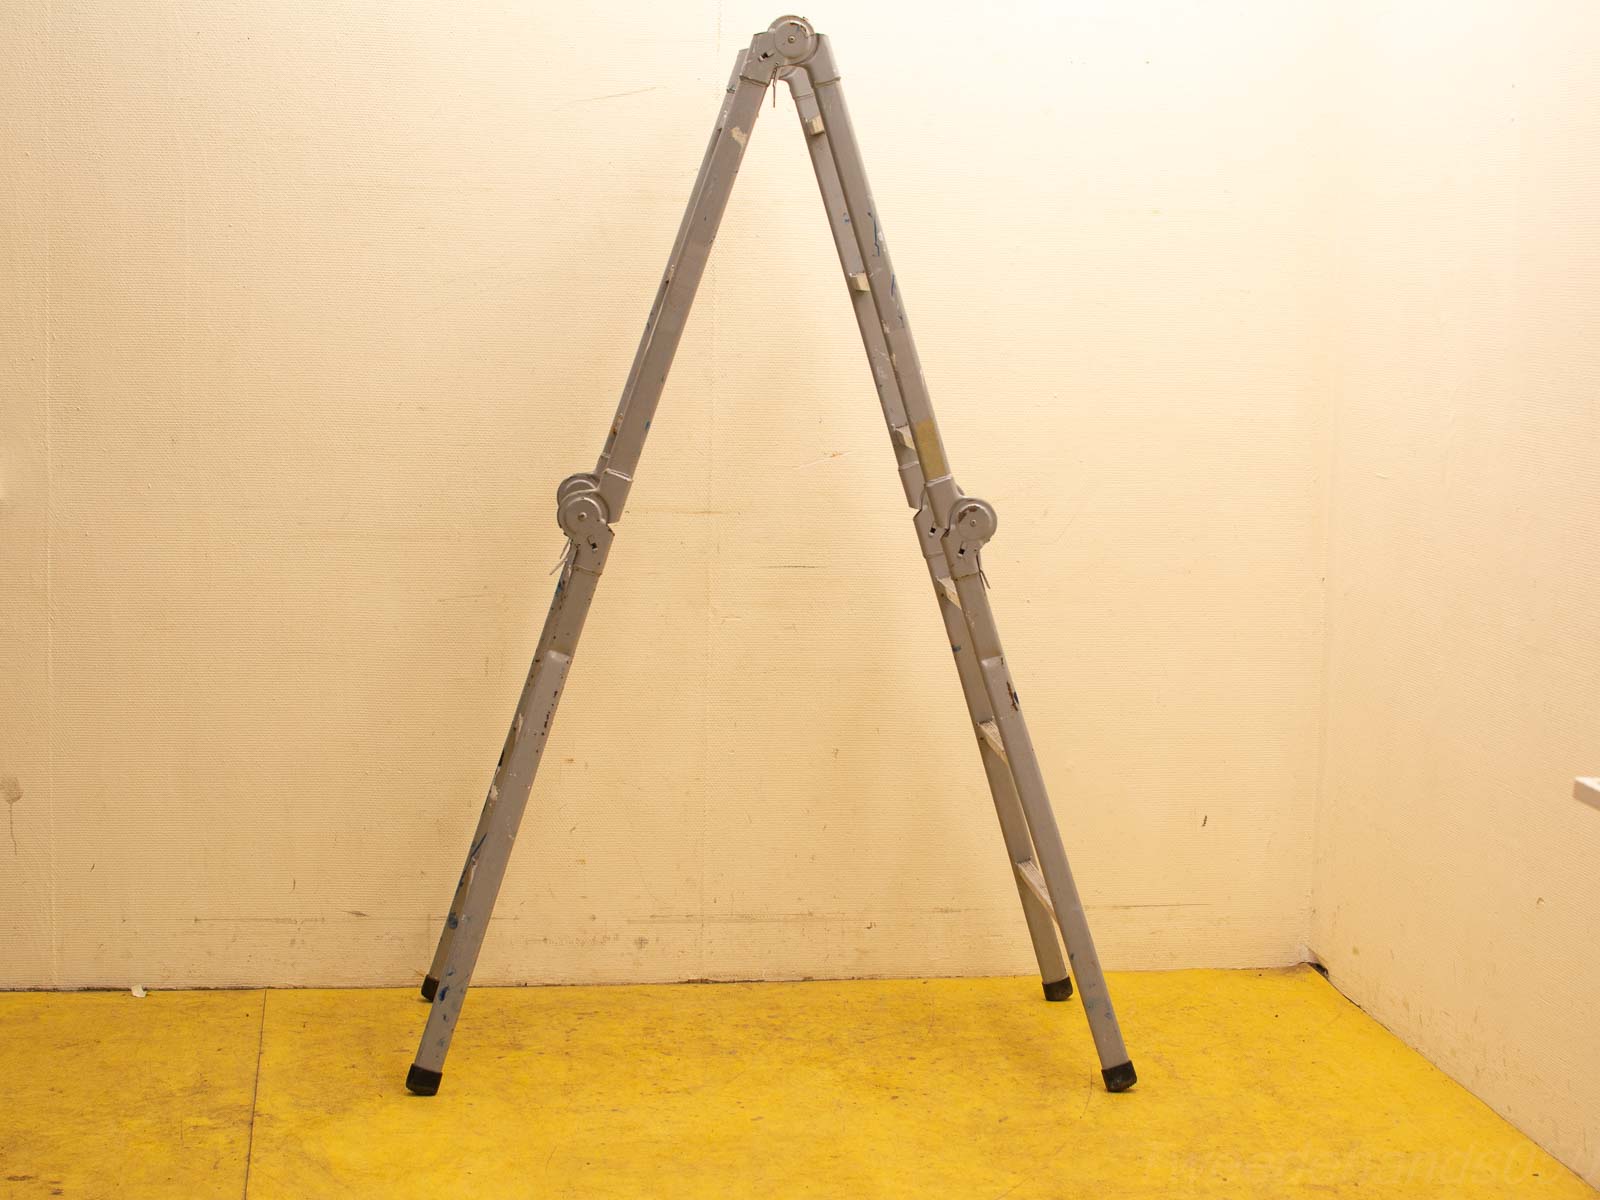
column 311, row 306
column 1457, row 891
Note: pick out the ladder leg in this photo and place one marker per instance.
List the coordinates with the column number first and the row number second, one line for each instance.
column 964, row 524
column 530, row 730
column 430, row 985
column 1014, row 827
column 587, row 506
column 1050, row 854
column 1013, row 824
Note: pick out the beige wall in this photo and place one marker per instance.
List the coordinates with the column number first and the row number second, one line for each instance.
column 1457, row 891
column 312, row 307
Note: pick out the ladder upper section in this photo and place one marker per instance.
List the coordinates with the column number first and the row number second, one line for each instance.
column 790, row 50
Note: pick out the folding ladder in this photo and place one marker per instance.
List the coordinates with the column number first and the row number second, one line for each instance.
column 951, row 528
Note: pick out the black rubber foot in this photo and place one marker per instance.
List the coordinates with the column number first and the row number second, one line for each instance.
column 423, row 1082
column 1061, row 989
column 1119, row 1079
column 430, row 985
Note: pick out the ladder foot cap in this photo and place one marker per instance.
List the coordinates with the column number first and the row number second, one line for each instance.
column 423, row 1081
column 1061, row 989
column 430, row 985
column 1119, row 1079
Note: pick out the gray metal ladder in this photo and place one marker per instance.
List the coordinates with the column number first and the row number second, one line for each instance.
column 952, row 528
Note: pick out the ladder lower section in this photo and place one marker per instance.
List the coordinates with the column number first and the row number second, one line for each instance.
column 951, row 528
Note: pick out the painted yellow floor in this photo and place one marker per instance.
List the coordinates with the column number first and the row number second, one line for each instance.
column 1251, row 1083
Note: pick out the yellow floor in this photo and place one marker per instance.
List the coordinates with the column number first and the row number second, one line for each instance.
column 1251, row 1083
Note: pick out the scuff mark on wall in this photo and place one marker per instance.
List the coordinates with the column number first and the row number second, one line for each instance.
column 11, row 792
